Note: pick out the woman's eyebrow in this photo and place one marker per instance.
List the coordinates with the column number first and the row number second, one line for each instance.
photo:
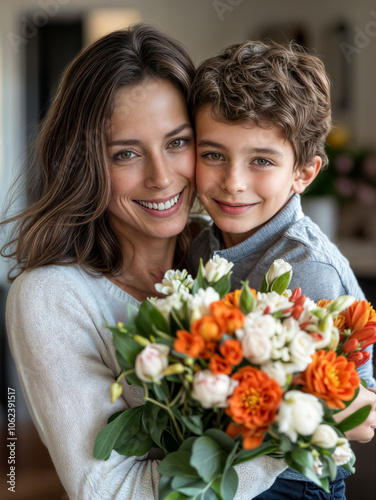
column 136, row 142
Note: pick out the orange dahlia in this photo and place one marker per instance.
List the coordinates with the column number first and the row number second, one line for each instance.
column 332, row 378
column 255, row 400
column 228, row 318
column 220, row 365
column 188, row 344
column 231, row 349
column 207, row 328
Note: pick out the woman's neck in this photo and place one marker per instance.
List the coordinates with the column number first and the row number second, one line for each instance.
column 145, row 264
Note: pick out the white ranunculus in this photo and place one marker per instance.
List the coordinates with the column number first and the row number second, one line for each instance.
column 216, row 268
column 301, row 349
column 200, row 302
column 276, row 371
column 175, row 281
column 273, row 300
column 278, row 268
column 342, row 454
column 212, row 391
column 324, row 436
column 165, row 306
column 151, row 362
column 299, row 413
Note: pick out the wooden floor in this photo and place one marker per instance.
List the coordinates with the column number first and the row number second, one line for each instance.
column 36, row 478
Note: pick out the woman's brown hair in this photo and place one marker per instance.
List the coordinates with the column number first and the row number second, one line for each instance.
column 68, row 186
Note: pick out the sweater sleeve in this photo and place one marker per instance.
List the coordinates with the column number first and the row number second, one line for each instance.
column 65, row 373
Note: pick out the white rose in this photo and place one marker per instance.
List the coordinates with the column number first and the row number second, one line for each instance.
column 276, row 371
column 271, row 300
column 299, row 413
column 301, row 349
column 324, row 436
column 343, row 453
column 212, row 390
column 216, row 268
column 278, row 268
column 256, row 347
column 151, row 362
column 200, row 302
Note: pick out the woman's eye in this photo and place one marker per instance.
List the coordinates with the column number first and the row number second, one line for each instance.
column 179, row 143
column 262, row 162
column 124, row 155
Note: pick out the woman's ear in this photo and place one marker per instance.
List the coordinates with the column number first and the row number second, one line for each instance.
column 306, row 174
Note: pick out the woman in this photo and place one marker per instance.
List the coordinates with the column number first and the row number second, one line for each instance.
column 112, row 186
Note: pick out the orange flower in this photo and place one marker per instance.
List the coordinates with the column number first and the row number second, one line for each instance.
column 332, row 378
column 231, row 349
column 255, row 400
column 359, row 358
column 228, row 318
column 232, row 299
column 324, row 303
column 220, row 365
column 188, row 344
column 251, row 437
column 366, row 335
column 208, row 350
column 359, row 314
column 207, row 328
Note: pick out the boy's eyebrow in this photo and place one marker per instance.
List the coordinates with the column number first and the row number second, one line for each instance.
column 135, row 142
column 259, row 151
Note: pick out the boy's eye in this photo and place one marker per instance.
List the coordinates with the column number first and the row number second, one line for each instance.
column 262, row 162
column 213, row 156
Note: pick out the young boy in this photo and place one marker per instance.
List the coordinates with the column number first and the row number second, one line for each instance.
column 262, row 114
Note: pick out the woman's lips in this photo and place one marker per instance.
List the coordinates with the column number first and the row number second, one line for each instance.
column 234, row 208
column 162, row 208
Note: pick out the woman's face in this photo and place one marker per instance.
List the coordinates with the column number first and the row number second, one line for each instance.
column 151, row 158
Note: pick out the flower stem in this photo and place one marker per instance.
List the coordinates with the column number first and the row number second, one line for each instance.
column 172, row 416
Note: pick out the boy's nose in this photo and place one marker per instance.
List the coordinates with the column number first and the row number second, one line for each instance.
column 233, row 180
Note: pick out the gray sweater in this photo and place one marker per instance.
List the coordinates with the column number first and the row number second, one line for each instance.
column 66, row 364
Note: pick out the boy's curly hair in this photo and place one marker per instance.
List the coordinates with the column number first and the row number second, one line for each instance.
column 268, row 84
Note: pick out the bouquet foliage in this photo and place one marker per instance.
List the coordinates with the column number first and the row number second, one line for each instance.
column 232, row 376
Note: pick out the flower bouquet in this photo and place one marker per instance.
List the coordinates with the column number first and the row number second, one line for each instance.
column 232, row 376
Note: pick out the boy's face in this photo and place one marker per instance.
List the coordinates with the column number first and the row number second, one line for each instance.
column 245, row 174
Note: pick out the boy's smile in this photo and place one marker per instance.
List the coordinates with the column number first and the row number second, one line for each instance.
column 245, row 174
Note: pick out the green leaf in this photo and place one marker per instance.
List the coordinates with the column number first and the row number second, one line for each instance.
column 200, row 281
column 246, row 299
column 208, row 458
column 160, row 390
column 175, row 495
column 188, row 486
column 303, row 457
column 354, row 419
column 132, row 312
column 149, row 320
column 127, row 347
column 264, row 285
column 164, row 487
column 154, row 421
column 194, row 423
column 329, row 466
column 176, row 464
column 245, row 455
column 280, row 284
column 187, row 444
column 308, row 473
column 223, row 285
column 207, row 494
column 138, row 445
column 229, row 484
column 109, row 435
column 220, row 437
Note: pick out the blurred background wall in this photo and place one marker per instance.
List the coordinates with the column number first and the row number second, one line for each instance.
column 40, row 37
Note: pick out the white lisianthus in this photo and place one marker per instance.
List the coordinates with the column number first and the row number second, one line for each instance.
column 175, row 281
column 276, row 371
column 301, row 349
column 306, row 315
column 200, row 302
column 256, row 346
column 276, row 270
column 151, row 362
column 212, row 391
column 317, row 464
column 165, row 306
column 271, row 300
column 342, row 454
column 216, row 268
column 324, row 436
column 325, row 332
column 299, row 413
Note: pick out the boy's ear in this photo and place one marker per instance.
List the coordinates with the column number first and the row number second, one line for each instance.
column 306, row 174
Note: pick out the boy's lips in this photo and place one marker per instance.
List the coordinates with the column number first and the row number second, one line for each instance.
column 231, row 208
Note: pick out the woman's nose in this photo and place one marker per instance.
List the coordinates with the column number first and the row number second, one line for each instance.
column 159, row 174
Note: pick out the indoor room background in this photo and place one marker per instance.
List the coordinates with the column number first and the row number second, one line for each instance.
column 40, row 37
